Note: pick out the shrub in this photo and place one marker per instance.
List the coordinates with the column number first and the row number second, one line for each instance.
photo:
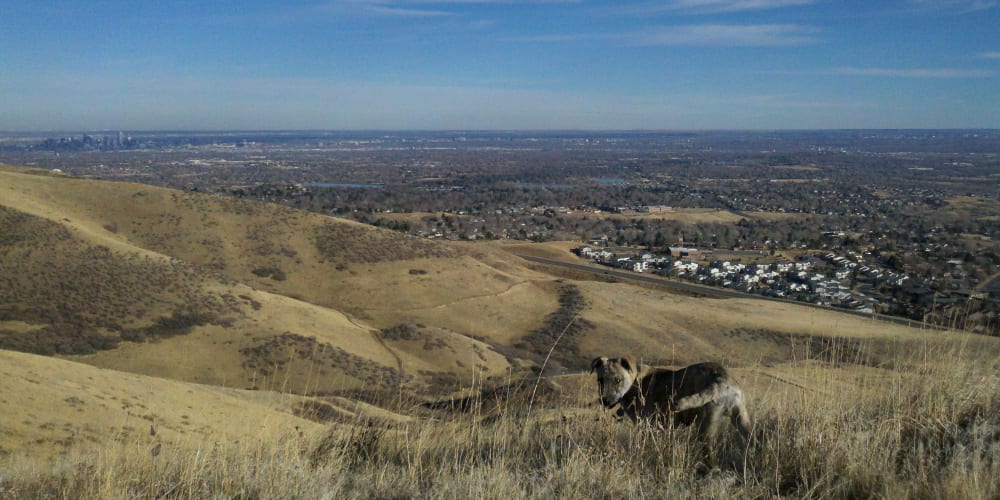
column 270, row 272
column 402, row 331
column 562, row 325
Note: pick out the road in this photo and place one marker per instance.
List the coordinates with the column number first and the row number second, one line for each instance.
column 712, row 291
column 647, row 278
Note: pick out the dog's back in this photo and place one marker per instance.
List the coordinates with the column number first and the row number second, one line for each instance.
column 702, row 393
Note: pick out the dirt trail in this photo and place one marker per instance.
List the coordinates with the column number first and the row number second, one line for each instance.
column 378, row 338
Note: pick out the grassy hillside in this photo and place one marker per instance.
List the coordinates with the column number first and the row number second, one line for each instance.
column 229, row 292
column 927, row 432
column 209, row 318
column 80, row 295
column 319, row 259
column 55, row 406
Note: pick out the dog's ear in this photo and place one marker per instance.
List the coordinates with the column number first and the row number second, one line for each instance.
column 628, row 363
column 596, row 363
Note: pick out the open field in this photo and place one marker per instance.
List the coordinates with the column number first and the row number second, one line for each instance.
column 773, row 216
column 974, row 208
column 685, row 215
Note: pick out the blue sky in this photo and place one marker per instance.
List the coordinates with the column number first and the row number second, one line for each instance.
column 495, row 64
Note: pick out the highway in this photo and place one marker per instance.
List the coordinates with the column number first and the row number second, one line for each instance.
column 712, row 291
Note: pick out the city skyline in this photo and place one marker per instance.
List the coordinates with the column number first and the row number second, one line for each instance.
column 490, row 64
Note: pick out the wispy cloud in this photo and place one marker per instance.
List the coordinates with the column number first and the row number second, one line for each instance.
column 562, row 37
column 387, row 8
column 720, row 6
column 479, row 2
column 704, row 35
column 960, row 6
column 482, row 24
column 390, row 8
column 423, row 8
column 914, row 72
column 702, row 6
column 439, row 5
column 989, row 55
column 793, row 102
column 726, row 35
column 404, row 12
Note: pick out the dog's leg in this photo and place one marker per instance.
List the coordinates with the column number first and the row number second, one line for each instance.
column 713, row 414
column 740, row 418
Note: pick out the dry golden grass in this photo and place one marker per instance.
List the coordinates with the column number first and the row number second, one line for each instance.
column 981, row 206
column 268, row 272
column 325, row 261
column 686, row 215
column 556, row 250
column 802, row 168
column 929, row 432
column 773, row 216
column 51, row 407
column 679, row 329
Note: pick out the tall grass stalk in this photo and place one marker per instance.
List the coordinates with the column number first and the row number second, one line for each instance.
column 929, row 430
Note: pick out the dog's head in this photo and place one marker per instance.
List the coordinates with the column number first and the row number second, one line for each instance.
column 614, row 378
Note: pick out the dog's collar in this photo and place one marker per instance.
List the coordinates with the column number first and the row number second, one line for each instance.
column 628, row 399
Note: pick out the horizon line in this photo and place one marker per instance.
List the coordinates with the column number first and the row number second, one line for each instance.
column 486, row 130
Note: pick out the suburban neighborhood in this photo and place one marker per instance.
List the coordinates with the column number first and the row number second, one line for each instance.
column 844, row 281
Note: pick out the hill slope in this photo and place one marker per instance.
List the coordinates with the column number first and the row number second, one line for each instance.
column 254, row 290
column 242, row 295
column 53, row 405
